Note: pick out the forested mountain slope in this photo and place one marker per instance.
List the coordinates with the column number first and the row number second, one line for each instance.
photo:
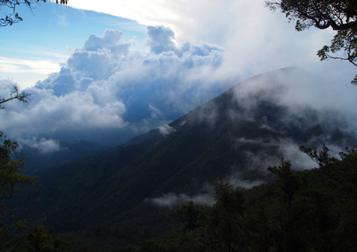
column 233, row 138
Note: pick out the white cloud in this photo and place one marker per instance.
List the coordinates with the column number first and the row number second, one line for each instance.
column 147, row 12
column 236, row 182
column 109, row 85
column 43, row 145
column 48, row 113
column 174, row 200
column 166, row 130
column 162, row 39
column 254, row 38
column 15, row 65
column 26, row 71
column 299, row 89
column 299, row 160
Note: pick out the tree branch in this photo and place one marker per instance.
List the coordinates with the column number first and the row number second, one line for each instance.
column 15, row 95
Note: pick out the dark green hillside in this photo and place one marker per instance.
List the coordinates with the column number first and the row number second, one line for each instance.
column 311, row 210
column 37, row 161
column 110, row 194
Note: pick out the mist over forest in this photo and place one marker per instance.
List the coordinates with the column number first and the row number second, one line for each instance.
column 178, row 126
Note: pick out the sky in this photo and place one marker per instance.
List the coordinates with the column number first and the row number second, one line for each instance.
column 253, row 36
column 99, row 69
column 36, row 47
column 250, row 33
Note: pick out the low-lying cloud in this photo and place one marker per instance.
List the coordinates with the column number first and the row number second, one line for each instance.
column 301, row 91
column 166, row 130
column 174, row 200
column 43, row 145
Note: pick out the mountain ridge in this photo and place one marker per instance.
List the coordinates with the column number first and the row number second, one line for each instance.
column 227, row 138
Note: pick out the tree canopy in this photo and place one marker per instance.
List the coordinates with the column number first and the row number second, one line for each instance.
column 14, row 95
column 339, row 15
column 9, row 13
column 10, row 173
column 311, row 210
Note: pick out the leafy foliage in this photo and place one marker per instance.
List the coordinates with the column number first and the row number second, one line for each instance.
column 11, row 7
column 300, row 211
column 40, row 240
column 14, row 95
column 10, row 177
column 10, row 174
column 340, row 15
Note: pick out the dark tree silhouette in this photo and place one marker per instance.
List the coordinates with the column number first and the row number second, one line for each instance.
column 10, row 8
column 340, row 15
column 14, row 95
column 10, row 174
column 288, row 183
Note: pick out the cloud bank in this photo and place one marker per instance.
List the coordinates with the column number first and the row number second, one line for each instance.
column 26, row 71
column 174, row 200
column 43, row 145
column 109, row 85
column 254, row 38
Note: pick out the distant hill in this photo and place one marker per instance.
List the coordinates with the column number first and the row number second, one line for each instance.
column 234, row 137
column 38, row 160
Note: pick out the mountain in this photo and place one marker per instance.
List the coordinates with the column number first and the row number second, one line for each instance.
column 38, row 160
column 234, row 137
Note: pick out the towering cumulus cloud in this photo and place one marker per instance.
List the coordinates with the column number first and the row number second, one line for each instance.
column 161, row 39
column 109, row 85
column 109, row 90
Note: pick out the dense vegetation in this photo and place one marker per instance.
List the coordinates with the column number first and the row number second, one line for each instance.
column 14, row 235
column 103, row 202
column 312, row 210
column 340, row 15
column 106, row 197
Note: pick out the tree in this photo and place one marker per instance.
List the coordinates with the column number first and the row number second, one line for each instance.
column 225, row 231
column 287, row 180
column 10, row 171
column 340, row 15
column 288, row 184
column 40, row 240
column 321, row 157
column 14, row 95
column 11, row 7
column 305, row 210
column 10, row 167
column 10, row 174
column 189, row 216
